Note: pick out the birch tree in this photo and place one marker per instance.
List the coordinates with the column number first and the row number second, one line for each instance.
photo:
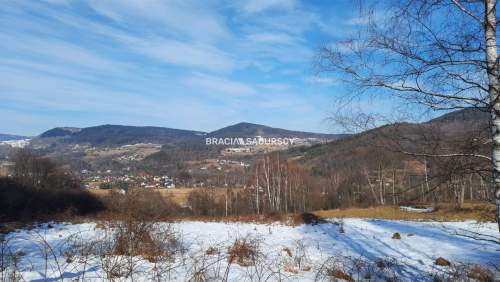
column 439, row 54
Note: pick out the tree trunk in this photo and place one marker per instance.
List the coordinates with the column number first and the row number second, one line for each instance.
column 427, row 188
column 462, row 195
column 257, row 188
column 371, row 187
column 393, row 187
column 381, row 185
column 493, row 91
column 471, row 191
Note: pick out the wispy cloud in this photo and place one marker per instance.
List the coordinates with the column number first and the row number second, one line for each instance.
column 194, row 19
column 185, row 54
column 157, row 62
column 320, row 80
column 216, row 84
column 55, row 51
column 256, row 6
column 273, row 38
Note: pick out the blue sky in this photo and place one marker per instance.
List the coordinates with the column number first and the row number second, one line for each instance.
column 197, row 65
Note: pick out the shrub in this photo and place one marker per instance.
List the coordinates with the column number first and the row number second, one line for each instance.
column 140, row 204
column 442, row 262
column 481, row 274
column 339, row 274
column 212, row 251
column 465, row 272
column 243, row 252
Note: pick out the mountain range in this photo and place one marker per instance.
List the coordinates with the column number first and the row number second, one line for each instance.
column 10, row 137
column 116, row 135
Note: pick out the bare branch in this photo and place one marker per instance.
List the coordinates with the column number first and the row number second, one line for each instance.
column 463, row 9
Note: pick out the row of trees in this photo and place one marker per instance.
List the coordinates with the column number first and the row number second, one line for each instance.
column 277, row 183
column 40, row 188
column 42, row 173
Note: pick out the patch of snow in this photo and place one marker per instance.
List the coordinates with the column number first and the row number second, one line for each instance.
column 141, row 145
column 413, row 209
column 16, row 143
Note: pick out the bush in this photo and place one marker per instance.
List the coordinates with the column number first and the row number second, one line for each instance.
column 243, row 252
column 21, row 202
column 140, row 204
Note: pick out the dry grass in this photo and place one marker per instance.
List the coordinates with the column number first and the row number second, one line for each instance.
column 444, row 212
column 339, row 274
column 177, row 195
column 243, row 252
column 464, row 272
column 481, row 274
column 442, row 262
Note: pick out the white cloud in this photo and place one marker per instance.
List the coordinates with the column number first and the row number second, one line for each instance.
column 217, row 84
column 57, row 51
column 293, row 53
column 296, row 21
column 184, row 54
column 320, row 80
column 273, row 38
column 275, row 87
column 256, row 6
column 194, row 19
column 58, row 2
column 360, row 20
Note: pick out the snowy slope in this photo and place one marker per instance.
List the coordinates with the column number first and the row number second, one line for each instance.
column 16, row 143
column 371, row 240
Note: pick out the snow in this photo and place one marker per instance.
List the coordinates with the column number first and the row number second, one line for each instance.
column 413, row 209
column 16, row 143
column 369, row 239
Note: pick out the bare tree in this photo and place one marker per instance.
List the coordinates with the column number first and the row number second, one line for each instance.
column 441, row 54
column 39, row 172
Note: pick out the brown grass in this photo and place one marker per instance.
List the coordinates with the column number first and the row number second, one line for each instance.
column 243, row 252
column 481, row 274
column 287, row 251
column 339, row 274
column 445, row 212
column 177, row 195
column 442, row 262
column 471, row 211
column 289, row 219
column 289, row 267
column 212, row 251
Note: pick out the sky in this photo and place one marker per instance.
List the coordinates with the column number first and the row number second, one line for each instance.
column 198, row 65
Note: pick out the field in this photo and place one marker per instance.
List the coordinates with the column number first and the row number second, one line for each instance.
column 178, row 195
column 349, row 249
column 444, row 212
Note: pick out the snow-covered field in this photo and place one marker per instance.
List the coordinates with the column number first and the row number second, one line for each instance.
column 300, row 253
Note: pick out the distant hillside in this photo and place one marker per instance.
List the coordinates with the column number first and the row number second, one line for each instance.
column 449, row 132
column 471, row 114
column 116, row 135
column 10, row 137
column 450, row 124
column 245, row 129
column 60, row 132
